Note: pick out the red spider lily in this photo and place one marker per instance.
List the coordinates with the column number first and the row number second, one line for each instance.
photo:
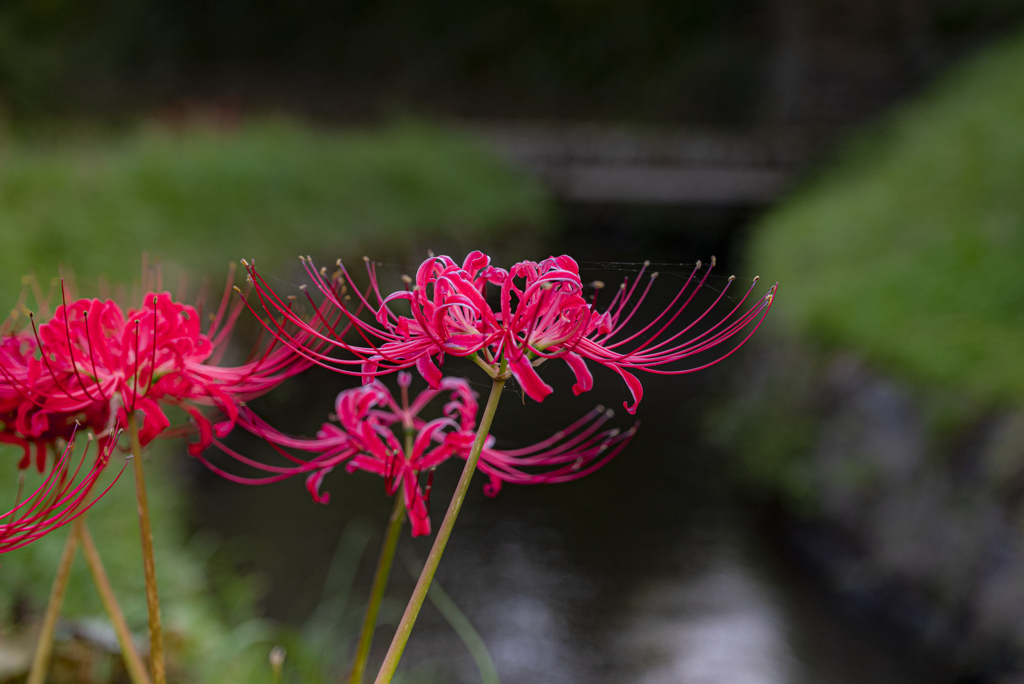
column 377, row 434
column 60, row 499
column 543, row 314
column 92, row 363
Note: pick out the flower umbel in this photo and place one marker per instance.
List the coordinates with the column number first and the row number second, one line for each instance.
column 92, row 363
column 543, row 313
column 378, row 434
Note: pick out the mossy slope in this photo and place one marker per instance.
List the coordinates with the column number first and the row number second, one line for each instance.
column 911, row 250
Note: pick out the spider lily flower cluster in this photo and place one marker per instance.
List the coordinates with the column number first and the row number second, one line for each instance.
column 92, row 364
column 544, row 313
column 377, row 434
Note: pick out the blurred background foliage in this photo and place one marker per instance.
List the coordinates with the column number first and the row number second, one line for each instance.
column 717, row 62
column 905, row 251
column 209, row 191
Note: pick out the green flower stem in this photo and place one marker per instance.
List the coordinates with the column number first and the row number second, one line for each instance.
column 380, row 583
column 132, row 662
column 156, row 636
column 419, row 594
column 44, row 646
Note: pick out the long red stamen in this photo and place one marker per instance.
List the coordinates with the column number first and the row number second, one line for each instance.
column 42, row 353
column 71, row 348
column 696, row 340
column 297, row 346
column 92, row 357
column 135, row 375
column 663, row 312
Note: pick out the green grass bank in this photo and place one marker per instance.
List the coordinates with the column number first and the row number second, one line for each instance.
column 909, row 250
column 200, row 195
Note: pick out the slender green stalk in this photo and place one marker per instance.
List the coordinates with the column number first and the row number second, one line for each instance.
column 44, row 646
column 419, row 594
column 156, row 636
column 132, row 662
column 380, row 584
column 459, row 622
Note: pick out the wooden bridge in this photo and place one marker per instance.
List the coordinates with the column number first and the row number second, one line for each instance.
column 610, row 166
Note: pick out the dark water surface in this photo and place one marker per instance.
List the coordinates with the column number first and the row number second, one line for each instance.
column 653, row 570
